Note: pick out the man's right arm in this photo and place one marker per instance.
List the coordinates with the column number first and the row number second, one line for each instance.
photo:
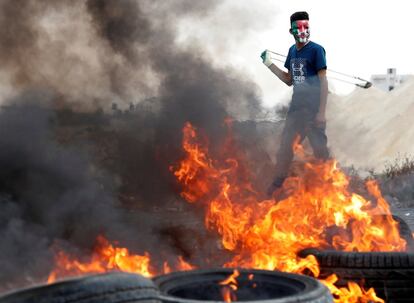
column 282, row 75
column 286, row 77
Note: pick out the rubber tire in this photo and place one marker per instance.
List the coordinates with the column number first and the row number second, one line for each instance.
column 390, row 273
column 405, row 233
column 307, row 289
column 113, row 287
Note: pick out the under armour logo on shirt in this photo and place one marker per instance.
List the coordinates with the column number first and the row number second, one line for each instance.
column 298, row 70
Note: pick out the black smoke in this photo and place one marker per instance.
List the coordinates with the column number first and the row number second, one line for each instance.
column 87, row 55
column 47, row 193
column 190, row 89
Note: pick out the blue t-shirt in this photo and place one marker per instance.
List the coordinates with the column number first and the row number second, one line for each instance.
column 304, row 65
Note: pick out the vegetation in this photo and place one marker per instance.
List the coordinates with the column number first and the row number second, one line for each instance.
column 402, row 165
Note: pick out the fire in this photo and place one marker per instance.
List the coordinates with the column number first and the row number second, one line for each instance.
column 352, row 294
column 230, row 287
column 192, row 167
column 184, row 265
column 107, row 257
column 319, row 211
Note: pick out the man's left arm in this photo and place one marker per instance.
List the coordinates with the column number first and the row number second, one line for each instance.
column 321, row 116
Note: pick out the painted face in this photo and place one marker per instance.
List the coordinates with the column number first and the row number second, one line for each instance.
column 300, row 30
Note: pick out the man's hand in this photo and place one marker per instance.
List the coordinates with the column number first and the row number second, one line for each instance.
column 266, row 58
column 320, row 120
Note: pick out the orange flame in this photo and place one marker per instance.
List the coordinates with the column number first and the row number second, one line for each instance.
column 352, row 294
column 319, row 211
column 230, row 287
column 184, row 265
column 107, row 257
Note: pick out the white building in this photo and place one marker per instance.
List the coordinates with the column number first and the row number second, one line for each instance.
column 388, row 81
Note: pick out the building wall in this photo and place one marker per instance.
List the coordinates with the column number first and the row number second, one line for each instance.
column 388, row 81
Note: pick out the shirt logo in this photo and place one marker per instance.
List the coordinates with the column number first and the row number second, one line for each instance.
column 298, row 70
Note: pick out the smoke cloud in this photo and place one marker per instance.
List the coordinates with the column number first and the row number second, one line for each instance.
column 47, row 192
column 83, row 56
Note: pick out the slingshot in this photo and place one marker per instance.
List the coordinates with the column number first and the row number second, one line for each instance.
column 365, row 83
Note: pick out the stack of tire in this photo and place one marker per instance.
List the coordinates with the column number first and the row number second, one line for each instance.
column 391, row 274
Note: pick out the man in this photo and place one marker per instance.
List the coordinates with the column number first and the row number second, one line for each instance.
column 306, row 65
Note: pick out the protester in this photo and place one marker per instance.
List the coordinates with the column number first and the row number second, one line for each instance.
column 306, row 65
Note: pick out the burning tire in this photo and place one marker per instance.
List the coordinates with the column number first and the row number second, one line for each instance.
column 106, row 288
column 391, row 274
column 405, row 233
column 252, row 285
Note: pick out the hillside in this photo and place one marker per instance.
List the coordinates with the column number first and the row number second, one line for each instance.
column 370, row 127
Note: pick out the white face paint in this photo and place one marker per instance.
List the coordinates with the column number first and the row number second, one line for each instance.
column 300, row 30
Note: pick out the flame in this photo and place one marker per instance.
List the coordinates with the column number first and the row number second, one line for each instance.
column 106, row 257
column 230, row 287
column 319, row 210
column 191, row 167
column 353, row 294
column 184, row 265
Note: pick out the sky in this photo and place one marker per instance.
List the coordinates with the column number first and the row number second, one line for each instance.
column 361, row 38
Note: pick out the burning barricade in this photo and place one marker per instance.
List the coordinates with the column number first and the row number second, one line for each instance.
column 317, row 211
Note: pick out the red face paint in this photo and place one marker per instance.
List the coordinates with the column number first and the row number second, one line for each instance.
column 300, row 30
